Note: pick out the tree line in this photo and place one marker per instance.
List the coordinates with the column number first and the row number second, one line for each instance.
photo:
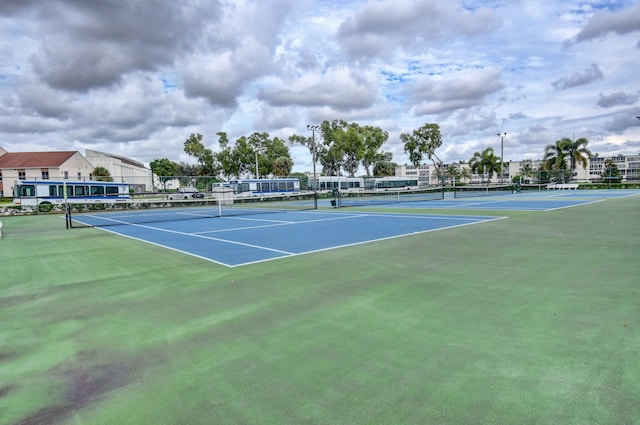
column 341, row 148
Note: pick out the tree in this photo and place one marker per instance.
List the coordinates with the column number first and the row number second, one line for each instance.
column 101, row 174
column 555, row 158
column 465, row 174
column 165, row 169
column 526, row 170
column 331, row 152
column 485, row 162
column 282, row 166
column 275, row 150
column 422, row 142
column 206, row 159
column 245, row 156
column 341, row 146
column 384, row 166
column 577, row 152
column 610, row 173
column 451, row 174
column 373, row 139
column 228, row 165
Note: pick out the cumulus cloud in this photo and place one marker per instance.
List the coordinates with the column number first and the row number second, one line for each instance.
column 93, row 44
column 589, row 75
column 618, row 98
column 605, row 22
column 379, row 27
column 436, row 96
column 338, row 88
column 221, row 78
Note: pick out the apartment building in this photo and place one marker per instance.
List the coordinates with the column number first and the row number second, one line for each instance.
column 628, row 165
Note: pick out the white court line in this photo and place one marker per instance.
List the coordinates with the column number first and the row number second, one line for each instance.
column 365, row 242
column 283, row 223
column 576, row 205
column 286, row 254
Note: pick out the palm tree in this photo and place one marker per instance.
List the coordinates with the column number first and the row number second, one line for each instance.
column 485, row 162
column 101, row 174
column 578, row 153
column 465, row 174
column 555, row 158
column 526, row 170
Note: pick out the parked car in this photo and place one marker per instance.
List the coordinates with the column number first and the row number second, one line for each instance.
column 186, row 193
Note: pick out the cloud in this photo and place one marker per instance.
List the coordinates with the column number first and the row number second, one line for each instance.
column 340, row 89
column 605, row 22
column 222, row 78
column 93, row 44
column 615, row 99
column 466, row 89
column 379, row 27
column 621, row 121
column 589, row 75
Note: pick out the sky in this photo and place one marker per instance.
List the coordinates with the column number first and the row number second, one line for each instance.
column 137, row 77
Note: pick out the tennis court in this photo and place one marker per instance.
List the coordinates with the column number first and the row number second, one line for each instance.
column 525, row 201
column 530, row 319
column 237, row 240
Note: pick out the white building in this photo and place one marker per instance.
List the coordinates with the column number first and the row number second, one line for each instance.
column 69, row 165
column 629, row 167
column 123, row 169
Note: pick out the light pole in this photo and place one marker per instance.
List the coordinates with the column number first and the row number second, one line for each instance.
column 501, row 136
column 257, row 172
column 313, row 129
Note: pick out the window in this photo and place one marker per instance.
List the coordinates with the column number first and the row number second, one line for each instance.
column 79, row 175
column 97, row 190
column 27, row 190
column 22, row 175
column 45, row 174
column 78, row 190
column 66, row 175
column 112, row 190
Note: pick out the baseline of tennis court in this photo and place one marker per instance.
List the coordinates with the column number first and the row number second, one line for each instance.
column 240, row 240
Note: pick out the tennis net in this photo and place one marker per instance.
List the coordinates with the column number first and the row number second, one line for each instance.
column 481, row 190
column 366, row 198
column 156, row 210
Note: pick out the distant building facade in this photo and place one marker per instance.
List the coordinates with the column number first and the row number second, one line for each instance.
column 629, row 166
column 122, row 169
column 63, row 165
column 68, row 165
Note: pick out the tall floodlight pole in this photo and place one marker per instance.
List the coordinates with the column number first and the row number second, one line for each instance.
column 501, row 136
column 257, row 172
column 313, row 129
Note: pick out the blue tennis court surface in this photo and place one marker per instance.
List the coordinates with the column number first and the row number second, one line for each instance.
column 525, row 201
column 240, row 240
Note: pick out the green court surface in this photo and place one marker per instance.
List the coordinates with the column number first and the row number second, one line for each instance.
column 534, row 319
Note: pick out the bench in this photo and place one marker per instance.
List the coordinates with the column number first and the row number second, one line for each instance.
column 562, row 186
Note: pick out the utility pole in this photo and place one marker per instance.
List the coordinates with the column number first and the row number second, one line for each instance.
column 313, row 129
column 502, row 136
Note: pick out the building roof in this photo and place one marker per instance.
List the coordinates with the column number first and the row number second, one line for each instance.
column 34, row 159
column 91, row 153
